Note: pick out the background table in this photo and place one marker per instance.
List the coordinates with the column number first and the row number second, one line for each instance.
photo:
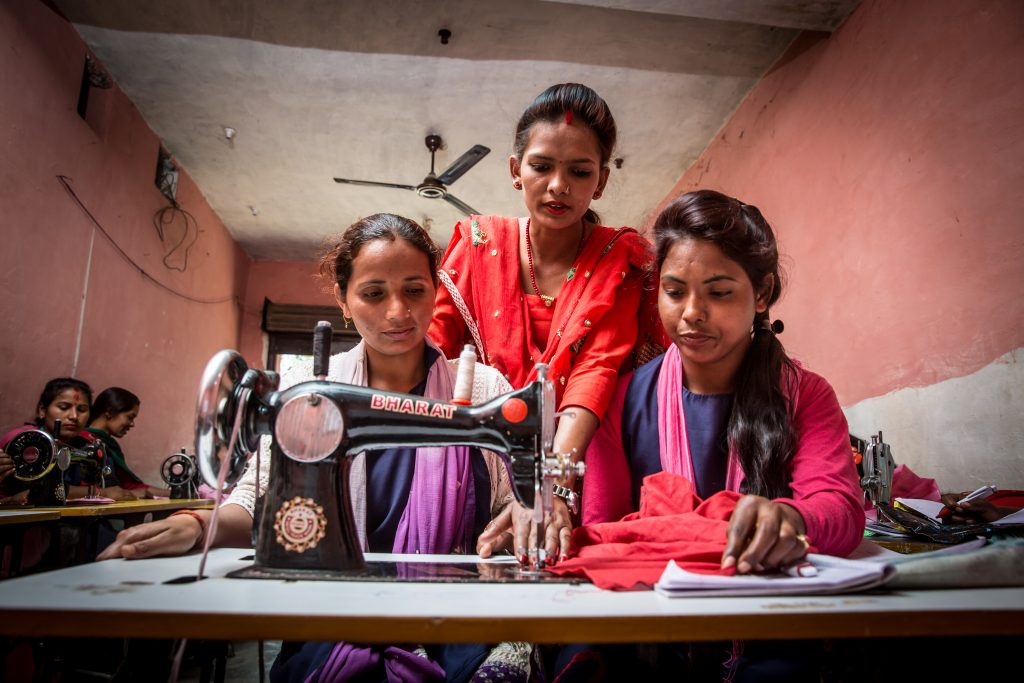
column 134, row 599
column 75, row 530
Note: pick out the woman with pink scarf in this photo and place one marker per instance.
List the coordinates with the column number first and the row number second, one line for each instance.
column 724, row 414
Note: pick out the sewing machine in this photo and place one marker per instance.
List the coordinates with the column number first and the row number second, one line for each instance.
column 306, row 521
column 876, row 467
column 40, row 462
column 180, row 473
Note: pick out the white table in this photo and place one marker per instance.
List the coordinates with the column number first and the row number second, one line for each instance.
column 130, row 599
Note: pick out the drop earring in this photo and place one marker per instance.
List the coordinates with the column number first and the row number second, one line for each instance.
column 348, row 320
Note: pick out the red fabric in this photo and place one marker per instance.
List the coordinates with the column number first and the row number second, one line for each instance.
column 826, row 489
column 672, row 524
column 1008, row 498
column 594, row 325
column 906, row 484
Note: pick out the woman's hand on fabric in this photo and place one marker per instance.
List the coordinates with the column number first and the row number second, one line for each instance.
column 763, row 535
column 513, row 529
column 175, row 535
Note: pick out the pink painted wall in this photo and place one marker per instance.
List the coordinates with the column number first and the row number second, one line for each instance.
column 283, row 282
column 888, row 156
column 134, row 333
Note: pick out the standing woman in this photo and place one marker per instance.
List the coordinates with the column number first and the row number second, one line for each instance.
column 553, row 286
column 113, row 415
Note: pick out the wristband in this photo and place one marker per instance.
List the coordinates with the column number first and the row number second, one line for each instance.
column 196, row 516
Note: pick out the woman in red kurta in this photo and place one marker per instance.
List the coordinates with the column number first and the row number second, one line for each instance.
column 553, row 287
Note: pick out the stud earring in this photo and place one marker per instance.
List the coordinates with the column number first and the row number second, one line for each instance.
column 597, row 195
column 517, row 184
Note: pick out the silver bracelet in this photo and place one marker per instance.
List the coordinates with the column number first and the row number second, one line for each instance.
column 572, row 500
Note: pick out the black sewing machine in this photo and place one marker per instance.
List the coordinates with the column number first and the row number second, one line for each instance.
column 180, row 473
column 306, row 522
column 40, row 462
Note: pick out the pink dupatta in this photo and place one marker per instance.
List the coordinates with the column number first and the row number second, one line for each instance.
column 675, row 447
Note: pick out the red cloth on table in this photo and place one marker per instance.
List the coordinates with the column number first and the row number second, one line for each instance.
column 672, row 524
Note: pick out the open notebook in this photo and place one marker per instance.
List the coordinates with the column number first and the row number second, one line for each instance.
column 835, row 575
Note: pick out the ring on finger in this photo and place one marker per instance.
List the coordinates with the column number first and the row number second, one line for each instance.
column 803, row 539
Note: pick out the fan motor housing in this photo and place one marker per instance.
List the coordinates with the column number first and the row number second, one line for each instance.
column 431, row 188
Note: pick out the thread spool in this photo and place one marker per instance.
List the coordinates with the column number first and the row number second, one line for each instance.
column 463, row 395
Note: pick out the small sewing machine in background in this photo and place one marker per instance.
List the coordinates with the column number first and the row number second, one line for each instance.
column 306, row 522
column 40, row 462
column 875, row 467
column 180, row 473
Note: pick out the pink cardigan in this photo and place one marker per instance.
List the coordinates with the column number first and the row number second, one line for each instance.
column 826, row 489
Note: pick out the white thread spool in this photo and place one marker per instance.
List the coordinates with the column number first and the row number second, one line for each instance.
column 464, row 379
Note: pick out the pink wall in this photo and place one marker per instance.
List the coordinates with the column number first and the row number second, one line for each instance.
column 134, row 333
column 888, row 156
column 283, row 282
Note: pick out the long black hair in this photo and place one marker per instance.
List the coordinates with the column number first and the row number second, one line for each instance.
column 115, row 401
column 761, row 423
column 586, row 105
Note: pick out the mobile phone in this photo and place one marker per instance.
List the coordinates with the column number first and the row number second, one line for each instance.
column 978, row 494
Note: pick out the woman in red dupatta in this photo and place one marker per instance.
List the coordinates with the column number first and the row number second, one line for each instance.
column 554, row 286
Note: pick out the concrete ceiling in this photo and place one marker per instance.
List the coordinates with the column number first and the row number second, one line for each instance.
column 321, row 88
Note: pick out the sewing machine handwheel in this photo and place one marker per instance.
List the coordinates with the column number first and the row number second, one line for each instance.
column 33, row 453
column 220, row 399
column 177, row 470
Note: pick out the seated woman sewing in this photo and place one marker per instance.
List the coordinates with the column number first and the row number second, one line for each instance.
column 726, row 421
column 112, row 415
column 63, row 398
column 382, row 269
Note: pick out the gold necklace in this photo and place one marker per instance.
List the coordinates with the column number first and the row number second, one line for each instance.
column 549, row 300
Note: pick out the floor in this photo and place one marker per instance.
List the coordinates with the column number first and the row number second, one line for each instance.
column 241, row 663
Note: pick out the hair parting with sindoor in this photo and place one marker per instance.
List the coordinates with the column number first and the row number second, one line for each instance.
column 761, row 423
column 586, row 106
column 54, row 388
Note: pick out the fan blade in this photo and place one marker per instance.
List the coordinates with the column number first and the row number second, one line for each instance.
column 373, row 183
column 461, row 205
column 463, row 164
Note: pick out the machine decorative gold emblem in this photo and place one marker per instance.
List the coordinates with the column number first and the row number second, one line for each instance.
column 300, row 524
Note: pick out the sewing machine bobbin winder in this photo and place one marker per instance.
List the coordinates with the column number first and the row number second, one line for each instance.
column 306, row 526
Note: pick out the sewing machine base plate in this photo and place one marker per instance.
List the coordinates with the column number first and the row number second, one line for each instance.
column 427, row 572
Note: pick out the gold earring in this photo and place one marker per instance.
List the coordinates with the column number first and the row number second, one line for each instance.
column 347, row 320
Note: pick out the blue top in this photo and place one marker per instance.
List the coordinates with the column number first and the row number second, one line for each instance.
column 389, row 479
column 707, row 421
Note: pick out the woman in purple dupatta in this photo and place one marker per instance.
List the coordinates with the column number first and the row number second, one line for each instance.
column 382, row 269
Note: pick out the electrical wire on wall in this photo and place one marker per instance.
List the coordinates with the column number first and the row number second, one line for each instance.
column 166, row 218
column 66, row 183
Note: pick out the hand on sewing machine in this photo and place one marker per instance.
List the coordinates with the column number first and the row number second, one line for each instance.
column 512, row 529
column 6, row 465
column 763, row 535
column 982, row 510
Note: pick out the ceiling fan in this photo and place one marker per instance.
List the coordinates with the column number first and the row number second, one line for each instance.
column 436, row 186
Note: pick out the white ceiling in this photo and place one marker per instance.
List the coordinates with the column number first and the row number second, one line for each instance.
column 323, row 88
